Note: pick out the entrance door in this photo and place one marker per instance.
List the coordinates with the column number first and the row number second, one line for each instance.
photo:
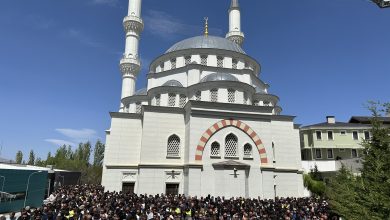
column 172, row 189
column 128, row 188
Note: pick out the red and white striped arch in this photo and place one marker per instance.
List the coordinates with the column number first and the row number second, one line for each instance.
column 231, row 123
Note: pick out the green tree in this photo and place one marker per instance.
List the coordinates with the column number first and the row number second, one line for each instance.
column 19, row 157
column 366, row 196
column 98, row 154
column 376, row 166
column 313, row 182
column 31, row 158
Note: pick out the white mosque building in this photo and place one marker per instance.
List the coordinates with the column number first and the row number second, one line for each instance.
column 205, row 125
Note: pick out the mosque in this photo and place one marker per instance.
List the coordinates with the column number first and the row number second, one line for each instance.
column 205, row 125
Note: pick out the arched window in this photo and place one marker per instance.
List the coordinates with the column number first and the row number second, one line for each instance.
column 187, row 60
column 138, row 107
column 245, row 101
column 198, row 96
column 215, row 149
column 231, row 95
column 247, row 151
column 171, row 99
column 162, row 64
column 219, row 61
column 214, row 95
column 234, row 63
column 231, row 145
column 173, row 147
column 158, row 100
column 173, row 63
column 203, row 60
column 182, row 101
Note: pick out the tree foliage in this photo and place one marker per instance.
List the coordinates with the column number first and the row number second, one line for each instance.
column 19, row 157
column 31, row 158
column 366, row 196
column 313, row 182
column 74, row 160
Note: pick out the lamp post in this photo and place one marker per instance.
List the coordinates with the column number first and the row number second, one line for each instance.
column 28, row 183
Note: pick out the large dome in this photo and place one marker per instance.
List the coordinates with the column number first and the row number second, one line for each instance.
column 210, row 42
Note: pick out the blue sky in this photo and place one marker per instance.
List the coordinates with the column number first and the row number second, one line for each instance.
column 59, row 74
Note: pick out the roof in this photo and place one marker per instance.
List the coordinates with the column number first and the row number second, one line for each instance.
column 173, row 83
column 335, row 125
column 219, row 77
column 367, row 119
column 26, row 167
column 208, row 42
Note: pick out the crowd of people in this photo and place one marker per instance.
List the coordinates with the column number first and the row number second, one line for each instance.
column 92, row 202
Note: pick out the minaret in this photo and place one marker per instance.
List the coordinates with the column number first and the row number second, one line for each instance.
column 235, row 33
column 130, row 64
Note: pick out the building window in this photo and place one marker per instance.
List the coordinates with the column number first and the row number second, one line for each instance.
column 343, row 132
column 266, row 103
column 246, row 65
column 319, row 135
column 138, row 107
column 162, row 66
column 318, row 154
column 215, row 149
column 247, row 151
column 330, row 153
column 354, row 153
column 173, row 63
column 173, row 147
column 231, row 146
column 273, row 152
column 366, row 135
column 182, row 101
column 203, row 60
column 219, row 61
column 256, row 103
column 187, row 60
column 158, row 100
column 198, row 95
column 355, row 135
column 245, row 101
column 171, row 99
column 214, row 95
column 231, row 95
column 234, row 63
column 330, row 135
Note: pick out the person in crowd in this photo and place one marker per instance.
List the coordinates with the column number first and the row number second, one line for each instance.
column 91, row 202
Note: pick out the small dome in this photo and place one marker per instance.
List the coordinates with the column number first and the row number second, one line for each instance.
column 219, row 77
column 142, row 91
column 210, row 42
column 173, row 83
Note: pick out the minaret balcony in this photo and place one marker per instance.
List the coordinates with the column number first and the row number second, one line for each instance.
column 130, row 66
column 133, row 23
column 236, row 36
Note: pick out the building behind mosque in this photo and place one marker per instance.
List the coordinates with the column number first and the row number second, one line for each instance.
column 205, row 124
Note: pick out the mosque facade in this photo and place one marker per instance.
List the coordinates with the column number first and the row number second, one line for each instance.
column 205, row 124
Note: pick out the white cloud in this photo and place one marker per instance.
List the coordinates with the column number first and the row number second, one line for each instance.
column 74, row 134
column 58, row 142
column 166, row 26
column 81, row 37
